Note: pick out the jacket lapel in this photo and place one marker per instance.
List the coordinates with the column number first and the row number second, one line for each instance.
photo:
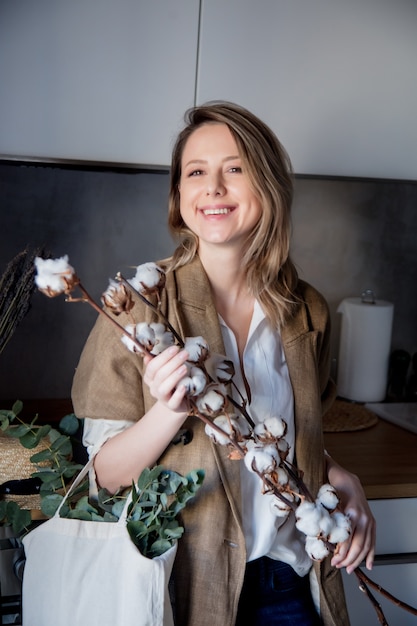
column 196, row 315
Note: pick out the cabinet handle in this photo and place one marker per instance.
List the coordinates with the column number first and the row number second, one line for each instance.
column 399, row 558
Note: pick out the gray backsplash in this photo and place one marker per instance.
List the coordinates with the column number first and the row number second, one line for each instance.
column 349, row 235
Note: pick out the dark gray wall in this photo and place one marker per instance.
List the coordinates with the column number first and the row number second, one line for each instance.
column 349, row 235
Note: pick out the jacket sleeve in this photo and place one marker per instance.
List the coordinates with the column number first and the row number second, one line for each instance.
column 108, row 379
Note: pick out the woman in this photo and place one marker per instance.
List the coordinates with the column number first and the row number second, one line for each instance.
column 230, row 280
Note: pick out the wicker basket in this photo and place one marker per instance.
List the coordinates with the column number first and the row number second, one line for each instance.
column 15, row 465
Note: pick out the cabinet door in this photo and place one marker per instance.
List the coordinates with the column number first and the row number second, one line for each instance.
column 96, row 80
column 333, row 79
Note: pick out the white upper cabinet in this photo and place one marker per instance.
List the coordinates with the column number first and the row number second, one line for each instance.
column 337, row 81
column 95, row 80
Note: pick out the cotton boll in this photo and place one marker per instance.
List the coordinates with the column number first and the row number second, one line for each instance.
column 280, row 508
column 130, row 343
column 271, row 428
column 243, row 428
column 281, row 476
column 130, row 328
column 341, row 528
column 117, row 298
column 219, row 367
column 262, row 459
column 142, row 333
column 195, row 382
column 227, row 426
column 316, row 549
column 326, row 522
column 328, row 497
column 54, row 276
column 197, row 348
column 308, row 518
column 145, row 335
column 213, row 400
column 163, row 338
column 283, row 448
column 149, row 278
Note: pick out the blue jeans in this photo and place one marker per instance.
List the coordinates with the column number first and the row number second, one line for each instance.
column 274, row 595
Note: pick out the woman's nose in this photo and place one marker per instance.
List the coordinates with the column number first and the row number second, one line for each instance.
column 215, row 186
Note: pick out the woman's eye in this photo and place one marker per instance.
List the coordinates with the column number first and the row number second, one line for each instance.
column 195, row 173
column 236, row 169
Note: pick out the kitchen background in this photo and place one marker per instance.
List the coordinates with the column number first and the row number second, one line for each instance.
column 349, row 235
column 92, row 95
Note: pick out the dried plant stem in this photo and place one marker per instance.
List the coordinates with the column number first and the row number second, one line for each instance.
column 180, row 340
column 365, row 581
column 16, row 288
column 269, row 484
column 364, row 588
column 152, row 306
column 89, row 300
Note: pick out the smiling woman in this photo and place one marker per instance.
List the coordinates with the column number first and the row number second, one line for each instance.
column 231, row 281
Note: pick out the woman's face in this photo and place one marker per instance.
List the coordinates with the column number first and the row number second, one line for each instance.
column 216, row 199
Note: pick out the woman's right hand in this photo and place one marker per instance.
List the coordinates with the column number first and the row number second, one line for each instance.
column 162, row 375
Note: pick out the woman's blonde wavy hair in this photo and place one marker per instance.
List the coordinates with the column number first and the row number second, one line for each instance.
column 271, row 275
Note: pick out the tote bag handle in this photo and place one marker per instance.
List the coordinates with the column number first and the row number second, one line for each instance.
column 85, row 471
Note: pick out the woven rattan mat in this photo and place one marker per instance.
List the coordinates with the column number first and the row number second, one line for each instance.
column 346, row 416
column 15, row 465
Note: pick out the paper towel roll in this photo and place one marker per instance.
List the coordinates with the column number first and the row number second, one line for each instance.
column 365, row 342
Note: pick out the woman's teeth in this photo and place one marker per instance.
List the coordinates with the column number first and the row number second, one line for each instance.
column 216, row 211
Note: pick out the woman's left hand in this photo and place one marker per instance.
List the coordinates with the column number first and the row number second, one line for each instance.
column 361, row 544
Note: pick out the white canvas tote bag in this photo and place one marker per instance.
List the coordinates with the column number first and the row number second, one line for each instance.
column 91, row 574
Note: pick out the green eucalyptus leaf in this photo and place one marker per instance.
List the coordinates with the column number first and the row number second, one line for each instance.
column 45, row 474
column 159, row 546
column 71, row 469
column 39, row 457
column 83, row 504
column 50, row 504
column 54, row 434
column 21, row 521
column 86, row 516
column 149, row 476
column 32, row 438
column 175, row 481
column 108, row 517
column 17, row 407
column 117, row 508
column 62, row 444
column 4, row 422
column 196, row 477
column 19, row 431
column 137, row 529
column 69, row 424
column 174, row 532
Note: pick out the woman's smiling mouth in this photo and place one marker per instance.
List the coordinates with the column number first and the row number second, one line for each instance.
column 216, row 210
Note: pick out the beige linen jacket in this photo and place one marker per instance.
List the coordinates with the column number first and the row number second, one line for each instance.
column 210, row 563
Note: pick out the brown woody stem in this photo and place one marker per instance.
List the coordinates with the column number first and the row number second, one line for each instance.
column 365, row 581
